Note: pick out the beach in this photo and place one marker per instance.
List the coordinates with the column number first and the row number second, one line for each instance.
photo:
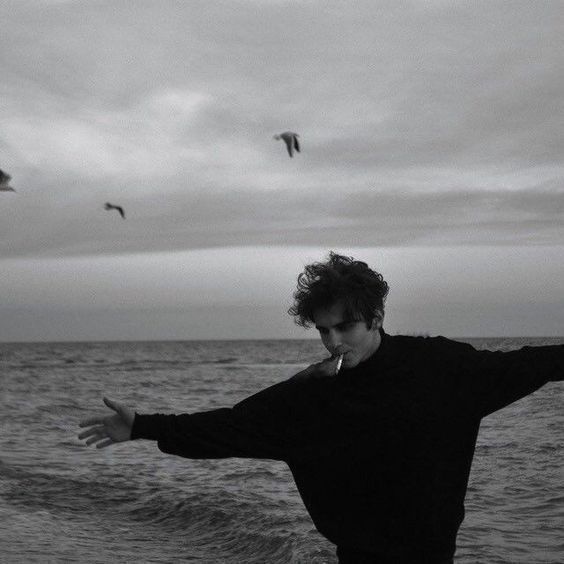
column 61, row 501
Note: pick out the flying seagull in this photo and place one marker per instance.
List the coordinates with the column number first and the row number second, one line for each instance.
column 108, row 206
column 5, row 182
column 291, row 140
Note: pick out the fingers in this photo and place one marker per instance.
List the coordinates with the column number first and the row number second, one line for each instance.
column 306, row 373
column 99, row 419
column 93, row 440
column 98, row 436
column 90, row 432
column 327, row 367
column 97, row 432
column 105, row 443
column 94, row 435
column 112, row 404
column 100, row 442
column 96, row 420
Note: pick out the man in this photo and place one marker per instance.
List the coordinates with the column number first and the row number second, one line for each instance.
column 381, row 451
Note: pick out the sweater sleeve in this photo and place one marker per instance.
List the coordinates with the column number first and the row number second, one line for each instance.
column 495, row 379
column 257, row 427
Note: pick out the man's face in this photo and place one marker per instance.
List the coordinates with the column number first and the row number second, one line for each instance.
column 341, row 335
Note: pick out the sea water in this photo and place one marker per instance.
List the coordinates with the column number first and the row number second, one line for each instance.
column 61, row 501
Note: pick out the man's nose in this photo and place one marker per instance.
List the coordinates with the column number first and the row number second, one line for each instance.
column 333, row 340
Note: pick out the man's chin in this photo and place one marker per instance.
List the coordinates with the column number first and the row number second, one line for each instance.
column 349, row 362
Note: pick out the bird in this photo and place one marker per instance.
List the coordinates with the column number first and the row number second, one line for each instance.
column 5, row 182
column 109, row 206
column 291, row 140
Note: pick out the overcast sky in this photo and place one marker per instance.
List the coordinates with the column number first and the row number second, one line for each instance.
column 432, row 148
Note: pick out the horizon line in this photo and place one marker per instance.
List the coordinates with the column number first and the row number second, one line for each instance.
column 181, row 340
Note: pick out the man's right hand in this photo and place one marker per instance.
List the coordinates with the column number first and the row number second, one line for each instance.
column 107, row 430
column 323, row 369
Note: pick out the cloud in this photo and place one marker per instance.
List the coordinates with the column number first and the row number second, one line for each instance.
column 177, row 220
column 94, row 143
column 421, row 124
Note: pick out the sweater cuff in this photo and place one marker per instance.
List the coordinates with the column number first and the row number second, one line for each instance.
column 145, row 427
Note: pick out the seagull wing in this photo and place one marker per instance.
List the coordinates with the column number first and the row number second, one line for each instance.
column 121, row 212
column 296, row 143
column 4, row 182
column 4, row 178
column 289, row 145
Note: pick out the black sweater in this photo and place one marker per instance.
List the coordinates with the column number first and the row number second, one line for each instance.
column 381, row 453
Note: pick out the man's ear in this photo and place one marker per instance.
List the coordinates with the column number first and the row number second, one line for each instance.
column 377, row 321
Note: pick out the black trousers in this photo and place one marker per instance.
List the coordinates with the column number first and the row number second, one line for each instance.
column 351, row 556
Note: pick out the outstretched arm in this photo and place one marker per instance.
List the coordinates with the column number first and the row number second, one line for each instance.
column 270, row 424
column 107, row 430
column 491, row 380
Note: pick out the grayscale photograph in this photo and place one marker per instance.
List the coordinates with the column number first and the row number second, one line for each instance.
column 282, row 281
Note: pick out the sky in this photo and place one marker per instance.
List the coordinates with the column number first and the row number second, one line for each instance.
column 432, row 148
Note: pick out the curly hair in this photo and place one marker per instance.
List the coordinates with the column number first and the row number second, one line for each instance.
column 361, row 290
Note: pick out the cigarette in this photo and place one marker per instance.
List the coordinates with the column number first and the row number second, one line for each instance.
column 339, row 363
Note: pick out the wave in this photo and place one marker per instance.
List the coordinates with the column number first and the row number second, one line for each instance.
column 221, row 522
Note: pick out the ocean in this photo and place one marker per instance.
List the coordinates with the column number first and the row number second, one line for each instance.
column 61, row 501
